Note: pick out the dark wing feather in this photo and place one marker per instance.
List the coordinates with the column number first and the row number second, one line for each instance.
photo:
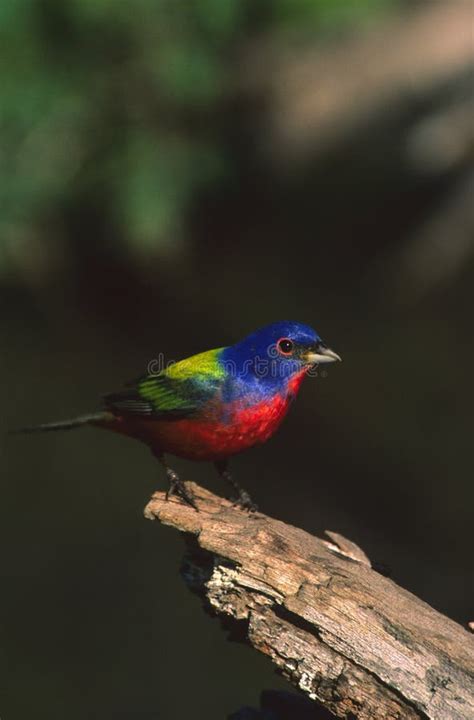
column 179, row 391
column 156, row 397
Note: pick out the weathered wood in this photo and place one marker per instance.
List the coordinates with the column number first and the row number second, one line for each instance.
column 341, row 632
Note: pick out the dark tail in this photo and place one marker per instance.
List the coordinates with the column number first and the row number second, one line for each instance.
column 76, row 422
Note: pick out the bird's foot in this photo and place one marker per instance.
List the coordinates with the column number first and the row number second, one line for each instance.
column 178, row 487
column 245, row 502
column 243, row 499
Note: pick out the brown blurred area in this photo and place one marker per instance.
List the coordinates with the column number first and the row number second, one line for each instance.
column 171, row 180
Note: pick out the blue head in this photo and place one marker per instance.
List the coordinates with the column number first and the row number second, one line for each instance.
column 278, row 351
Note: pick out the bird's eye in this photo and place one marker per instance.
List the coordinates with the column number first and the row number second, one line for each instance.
column 285, row 346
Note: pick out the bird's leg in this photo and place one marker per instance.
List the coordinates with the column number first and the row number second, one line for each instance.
column 243, row 499
column 176, row 485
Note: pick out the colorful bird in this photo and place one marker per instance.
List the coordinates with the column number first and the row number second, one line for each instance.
column 213, row 405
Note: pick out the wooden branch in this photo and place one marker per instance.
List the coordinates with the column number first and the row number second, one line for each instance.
column 341, row 632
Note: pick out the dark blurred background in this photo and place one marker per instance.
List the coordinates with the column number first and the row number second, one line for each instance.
column 174, row 175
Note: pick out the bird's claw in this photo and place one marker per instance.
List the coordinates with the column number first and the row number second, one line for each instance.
column 245, row 502
column 178, row 487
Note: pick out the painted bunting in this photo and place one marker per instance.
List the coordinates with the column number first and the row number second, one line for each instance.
column 215, row 404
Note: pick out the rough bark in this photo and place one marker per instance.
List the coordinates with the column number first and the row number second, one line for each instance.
column 347, row 636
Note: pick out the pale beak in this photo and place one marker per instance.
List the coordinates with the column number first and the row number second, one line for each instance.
column 322, row 354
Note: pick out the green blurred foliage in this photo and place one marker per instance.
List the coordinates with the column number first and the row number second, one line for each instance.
column 120, row 101
column 328, row 14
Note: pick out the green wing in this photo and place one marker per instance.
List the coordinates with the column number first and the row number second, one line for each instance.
column 179, row 391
